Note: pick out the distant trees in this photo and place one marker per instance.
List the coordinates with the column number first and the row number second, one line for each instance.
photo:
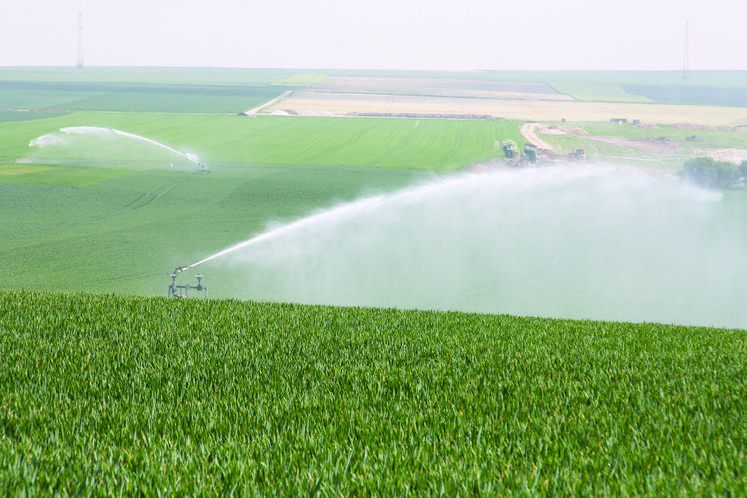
column 708, row 172
column 510, row 149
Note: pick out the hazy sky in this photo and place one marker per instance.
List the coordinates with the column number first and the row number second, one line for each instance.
column 382, row 34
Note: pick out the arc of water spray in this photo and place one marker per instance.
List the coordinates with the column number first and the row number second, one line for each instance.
column 96, row 130
column 354, row 208
column 347, row 210
column 188, row 156
column 342, row 212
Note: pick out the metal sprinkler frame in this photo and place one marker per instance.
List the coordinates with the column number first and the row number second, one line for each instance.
column 175, row 290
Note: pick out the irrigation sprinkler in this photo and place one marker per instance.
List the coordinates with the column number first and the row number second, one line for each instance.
column 175, row 290
column 202, row 168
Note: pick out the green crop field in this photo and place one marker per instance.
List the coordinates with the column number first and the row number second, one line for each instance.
column 133, row 97
column 598, row 92
column 419, row 144
column 113, row 395
column 724, row 88
column 107, row 390
column 123, row 233
column 152, row 90
column 88, row 210
column 99, row 205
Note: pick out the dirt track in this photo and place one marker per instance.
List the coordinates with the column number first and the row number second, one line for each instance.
column 529, row 132
column 340, row 104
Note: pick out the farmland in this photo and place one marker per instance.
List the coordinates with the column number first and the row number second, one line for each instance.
column 107, row 213
column 123, row 234
column 153, row 90
column 123, row 395
column 516, row 109
column 431, row 144
column 99, row 206
column 106, row 389
column 123, row 195
column 706, row 98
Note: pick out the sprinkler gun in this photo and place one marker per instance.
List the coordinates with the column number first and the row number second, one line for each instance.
column 175, row 290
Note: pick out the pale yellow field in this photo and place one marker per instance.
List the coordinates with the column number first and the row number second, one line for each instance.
column 438, row 87
column 340, row 104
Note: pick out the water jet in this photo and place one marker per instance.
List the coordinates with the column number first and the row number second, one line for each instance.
column 63, row 136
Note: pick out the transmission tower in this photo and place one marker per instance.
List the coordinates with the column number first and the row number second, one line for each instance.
column 686, row 61
column 79, row 65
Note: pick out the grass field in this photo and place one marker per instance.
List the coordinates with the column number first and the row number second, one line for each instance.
column 599, row 92
column 146, row 90
column 112, row 395
column 104, row 391
column 425, row 144
column 90, row 211
column 124, row 233
column 132, row 97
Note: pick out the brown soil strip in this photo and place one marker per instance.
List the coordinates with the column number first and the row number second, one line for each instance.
column 661, row 145
column 529, row 132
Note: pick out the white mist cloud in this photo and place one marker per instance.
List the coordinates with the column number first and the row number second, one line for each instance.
column 565, row 242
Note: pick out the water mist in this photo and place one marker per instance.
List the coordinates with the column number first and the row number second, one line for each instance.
column 591, row 242
column 95, row 142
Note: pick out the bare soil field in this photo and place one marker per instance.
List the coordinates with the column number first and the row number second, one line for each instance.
column 439, row 87
column 660, row 145
column 341, row 104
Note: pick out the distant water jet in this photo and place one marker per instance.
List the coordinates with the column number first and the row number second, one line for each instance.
column 60, row 139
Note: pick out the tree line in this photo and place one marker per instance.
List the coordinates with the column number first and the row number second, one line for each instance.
column 708, row 172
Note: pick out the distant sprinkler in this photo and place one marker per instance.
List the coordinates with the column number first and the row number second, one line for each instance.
column 176, row 290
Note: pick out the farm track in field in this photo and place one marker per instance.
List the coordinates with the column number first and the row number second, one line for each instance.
column 141, row 201
column 528, row 131
column 147, row 197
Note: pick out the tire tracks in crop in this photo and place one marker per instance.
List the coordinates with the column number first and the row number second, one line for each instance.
column 142, row 200
column 147, row 197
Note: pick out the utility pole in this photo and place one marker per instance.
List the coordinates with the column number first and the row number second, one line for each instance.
column 686, row 61
column 79, row 65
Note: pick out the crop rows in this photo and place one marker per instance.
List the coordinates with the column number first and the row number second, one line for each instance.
column 116, row 395
column 390, row 143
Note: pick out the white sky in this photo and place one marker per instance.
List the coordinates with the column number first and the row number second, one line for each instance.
column 381, row 34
